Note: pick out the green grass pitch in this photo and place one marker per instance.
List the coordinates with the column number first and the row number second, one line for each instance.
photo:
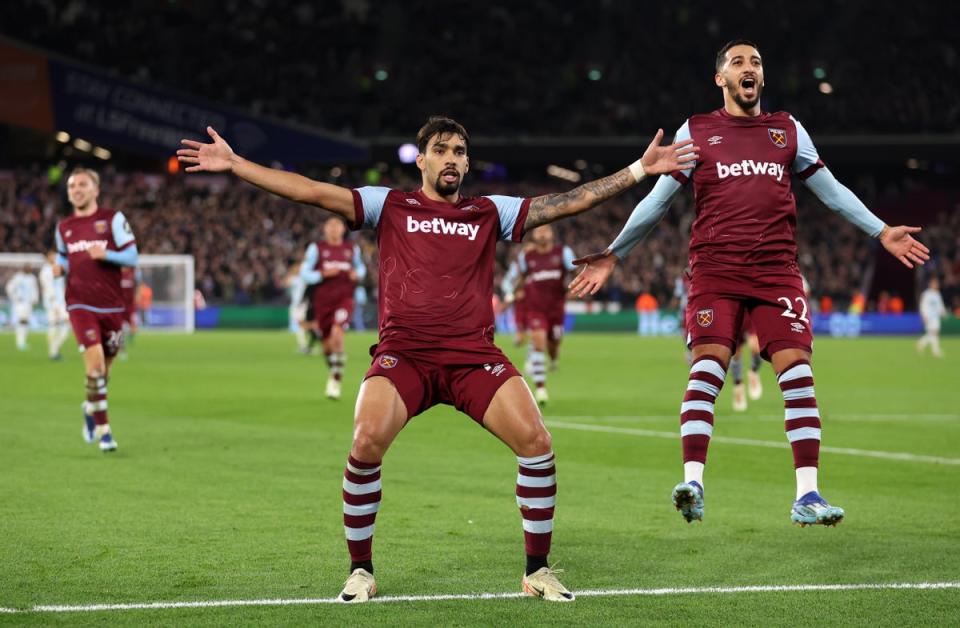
column 226, row 486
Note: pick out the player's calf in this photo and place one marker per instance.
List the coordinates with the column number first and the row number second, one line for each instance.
column 361, row 502
column 96, row 407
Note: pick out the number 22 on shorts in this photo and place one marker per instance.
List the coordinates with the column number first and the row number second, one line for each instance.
column 789, row 313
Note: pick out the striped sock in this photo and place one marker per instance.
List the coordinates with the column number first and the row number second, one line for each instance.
column 801, row 417
column 337, row 362
column 696, row 412
column 538, row 368
column 536, row 497
column 97, row 398
column 736, row 369
column 361, row 501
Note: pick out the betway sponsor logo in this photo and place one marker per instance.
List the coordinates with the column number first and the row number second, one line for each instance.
column 443, row 227
column 546, row 275
column 749, row 167
column 84, row 245
column 344, row 266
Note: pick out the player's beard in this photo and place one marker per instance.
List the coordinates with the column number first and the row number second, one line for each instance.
column 447, row 189
column 742, row 102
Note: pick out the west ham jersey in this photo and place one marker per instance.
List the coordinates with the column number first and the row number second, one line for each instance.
column 330, row 257
column 746, row 211
column 93, row 284
column 436, row 264
column 544, row 287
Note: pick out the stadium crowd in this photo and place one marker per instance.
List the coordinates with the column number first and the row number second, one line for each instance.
column 244, row 241
column 358, row 67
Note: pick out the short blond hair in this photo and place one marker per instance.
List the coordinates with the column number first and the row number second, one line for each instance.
column 87, row 171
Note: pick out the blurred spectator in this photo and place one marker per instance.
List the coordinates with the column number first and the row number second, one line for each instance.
column 243, row 240
column 648, row 315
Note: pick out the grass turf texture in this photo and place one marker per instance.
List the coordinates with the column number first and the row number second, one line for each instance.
column 227, row 486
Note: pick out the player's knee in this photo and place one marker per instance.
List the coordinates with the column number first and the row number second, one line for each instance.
column 369, row 445
column 538, row 442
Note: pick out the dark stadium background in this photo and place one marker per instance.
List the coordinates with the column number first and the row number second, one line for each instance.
column 332, row 89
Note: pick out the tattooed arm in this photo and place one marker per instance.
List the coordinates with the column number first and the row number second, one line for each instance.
column 656, row 160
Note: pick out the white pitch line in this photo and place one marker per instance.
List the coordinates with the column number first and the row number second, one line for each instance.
column 748, row 418
column 866, row 453
column 773, row 588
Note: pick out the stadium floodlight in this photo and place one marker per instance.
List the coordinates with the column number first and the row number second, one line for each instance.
column 102, row 153
column 407, row 153
column 83, row 145
column 563, row 173
column 62, row 136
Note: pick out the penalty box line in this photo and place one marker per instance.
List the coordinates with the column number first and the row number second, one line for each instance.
column 491, row 596
column 847, row 451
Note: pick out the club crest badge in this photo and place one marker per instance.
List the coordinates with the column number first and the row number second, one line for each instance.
column 705, row 317
column 90, row 334
column 778, row 137
column 388, row 361
column 100, row 226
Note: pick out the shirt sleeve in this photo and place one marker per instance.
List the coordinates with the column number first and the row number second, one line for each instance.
column 522, row 263
column 645, row 216
column 358, row 264
column 807, row 160
column 368, row 204
column 122, row 233
column 62, row 258
column 683, row 133
column 840, row 199
column 568, row 258
column 513, row 216
column 126, row 257
column 307, row 272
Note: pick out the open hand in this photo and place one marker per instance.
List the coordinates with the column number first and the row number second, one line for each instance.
column 900, row 244
column 97, row 252
column 597, row 269
column 663, row 159
column 214, row 157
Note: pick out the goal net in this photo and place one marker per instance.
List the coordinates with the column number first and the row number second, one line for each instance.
column 165, row 295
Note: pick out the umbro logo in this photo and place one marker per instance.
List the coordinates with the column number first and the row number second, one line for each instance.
column 412, row 201
column 713, row 141
column 494, row 369
column 797, row 327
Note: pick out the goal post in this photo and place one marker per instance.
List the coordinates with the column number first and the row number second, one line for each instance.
column 169, row 279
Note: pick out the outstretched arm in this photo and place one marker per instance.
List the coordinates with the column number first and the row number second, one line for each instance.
column 839, row 198
column 217, row 156
column 656, row 160
column 599, row 266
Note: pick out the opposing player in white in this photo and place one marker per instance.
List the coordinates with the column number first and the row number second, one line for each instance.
column 297, row 311
column 55, row 304
column 932, row 309
column 23, row 294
